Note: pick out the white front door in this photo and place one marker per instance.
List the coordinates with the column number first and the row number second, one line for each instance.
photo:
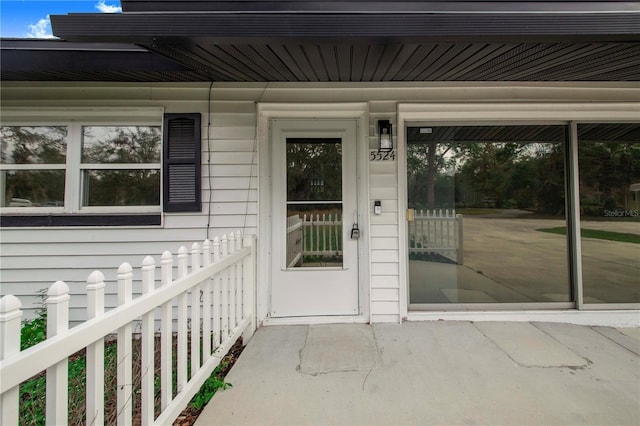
column 314, row 252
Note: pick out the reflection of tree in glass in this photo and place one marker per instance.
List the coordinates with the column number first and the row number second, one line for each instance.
column 33, row 145
column 503, row 175
column 121, row 145
column 122, row 188
column 429, row 168
column 606, row 172
column 131, row 144
column 314, row 171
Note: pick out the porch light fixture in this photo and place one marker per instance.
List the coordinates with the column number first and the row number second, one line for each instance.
column 385, row 136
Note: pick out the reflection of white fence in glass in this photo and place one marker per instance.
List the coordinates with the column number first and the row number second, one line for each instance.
column 439, row 232
column 294, row 240
column 215, row 293
column 313, row 235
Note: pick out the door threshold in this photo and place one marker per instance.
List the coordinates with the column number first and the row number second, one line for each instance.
column 329, row 319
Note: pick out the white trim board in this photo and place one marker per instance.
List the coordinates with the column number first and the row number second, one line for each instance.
column 608, row 318
column 358, row 111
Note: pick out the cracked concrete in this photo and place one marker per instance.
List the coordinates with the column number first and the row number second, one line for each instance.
column 434, row 373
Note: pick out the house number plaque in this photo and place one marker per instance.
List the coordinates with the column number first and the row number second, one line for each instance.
column 375, row 155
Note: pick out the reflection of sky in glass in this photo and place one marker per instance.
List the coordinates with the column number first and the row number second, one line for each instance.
column 39, row 144
column 121, row 144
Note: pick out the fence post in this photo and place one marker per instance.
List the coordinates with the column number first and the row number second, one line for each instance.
column 224, row 289
column 147, row 342
column 182, row 323
column 166, row 335
column 10, row 316
column 124, row 384
column 95, row 353
column 206, row 304
column 249, row 288
column 460, row 251
column 57, row 375
column 232, row 284
column 195, row 312
column 217, row 303
column 239, row 297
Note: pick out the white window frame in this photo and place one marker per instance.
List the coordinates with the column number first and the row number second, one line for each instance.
column 74, row 167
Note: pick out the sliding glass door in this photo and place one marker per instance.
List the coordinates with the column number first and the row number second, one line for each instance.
column 487, row 214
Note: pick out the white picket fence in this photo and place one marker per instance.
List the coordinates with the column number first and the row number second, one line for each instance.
column 437, row 231
column 209, row 306
column 313, row 235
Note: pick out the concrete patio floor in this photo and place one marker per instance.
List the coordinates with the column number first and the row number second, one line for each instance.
column 430, row 373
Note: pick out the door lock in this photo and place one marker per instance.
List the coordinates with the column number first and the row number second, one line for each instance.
column 355, row 232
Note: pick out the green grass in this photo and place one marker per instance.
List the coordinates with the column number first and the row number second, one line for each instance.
column 597, row 234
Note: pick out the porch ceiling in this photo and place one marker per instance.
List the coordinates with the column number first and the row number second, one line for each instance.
column 364, row 62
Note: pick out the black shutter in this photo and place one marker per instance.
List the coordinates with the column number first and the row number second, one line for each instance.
column 182, row 181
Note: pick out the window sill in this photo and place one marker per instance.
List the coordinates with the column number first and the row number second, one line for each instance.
column 49, row 220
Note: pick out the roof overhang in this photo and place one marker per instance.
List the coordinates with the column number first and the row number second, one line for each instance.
column 58, row 60
column 333, row 40
column 347, row 27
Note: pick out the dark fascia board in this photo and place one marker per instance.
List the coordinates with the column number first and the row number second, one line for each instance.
column 365, row 6
column 29, row 55
column 179, row 28
column 9, row 43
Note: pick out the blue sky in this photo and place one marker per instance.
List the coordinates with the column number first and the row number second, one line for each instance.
column 30, row 18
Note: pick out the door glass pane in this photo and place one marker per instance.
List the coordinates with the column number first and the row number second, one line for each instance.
column 314, row 169
column 488, row 214
column 609, row 170
column 314, row 203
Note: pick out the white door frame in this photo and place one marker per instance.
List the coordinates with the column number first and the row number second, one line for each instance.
column 267, row 112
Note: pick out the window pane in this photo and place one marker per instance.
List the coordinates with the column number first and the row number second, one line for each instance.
column 121, row 188
column 314, row 235
column 32, row 188
column 33, row 144
column 121, row 144
column 483, row 198
column 314, row 169
column 609, row 169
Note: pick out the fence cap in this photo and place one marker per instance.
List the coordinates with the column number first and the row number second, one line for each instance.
column 58, row 293
column 9, row 303
column 96, row 277
column 125, row 268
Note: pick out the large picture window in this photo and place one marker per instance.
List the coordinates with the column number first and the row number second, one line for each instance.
column 74, row 167
column 71, row 167
column 83, row 167
column 487, row 214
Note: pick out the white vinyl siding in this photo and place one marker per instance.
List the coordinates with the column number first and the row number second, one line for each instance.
column 384, row 253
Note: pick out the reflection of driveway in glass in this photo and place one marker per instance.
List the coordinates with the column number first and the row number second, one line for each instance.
column 508, row 261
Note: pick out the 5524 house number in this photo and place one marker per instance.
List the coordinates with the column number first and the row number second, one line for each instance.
column 375, row 155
